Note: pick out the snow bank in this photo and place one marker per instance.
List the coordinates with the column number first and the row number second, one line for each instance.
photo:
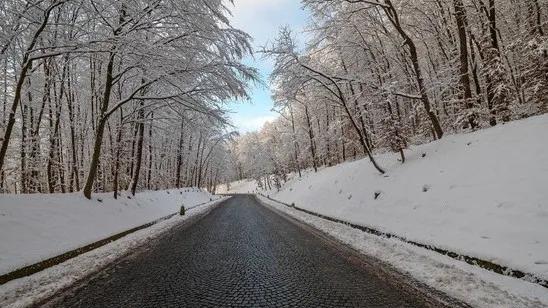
column 30, row 290
column 467, row 283
column 483, row 194
column 37, row 227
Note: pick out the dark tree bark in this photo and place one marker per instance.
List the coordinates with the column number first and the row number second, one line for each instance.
column 139, row 154
column 26, row 64
column 74, row 174
column 150, row 158
column 115, row 184
column 55, row 138
column 131, row 166
column 537, row 12
column 490, row 54
column 23, row 151
column 180, row 156
column 460, row 16
column 338, row 93
column 94, row 163
column 295, row 142
column 413, row 55
column 311, row 138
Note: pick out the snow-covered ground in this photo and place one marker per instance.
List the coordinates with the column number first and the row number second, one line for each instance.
column 470, row 284
column 482, row 194
column 37, row 227
column 243, row 186
column 29, row 290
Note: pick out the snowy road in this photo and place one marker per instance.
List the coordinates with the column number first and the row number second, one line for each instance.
column 241, row 255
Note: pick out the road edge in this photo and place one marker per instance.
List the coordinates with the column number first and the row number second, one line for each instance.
column 21, row 292
column 409, row 284
column 47, row 263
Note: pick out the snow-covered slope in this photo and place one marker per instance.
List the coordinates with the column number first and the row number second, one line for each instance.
column 483, row 194
column 36, row 227
column 243, row 187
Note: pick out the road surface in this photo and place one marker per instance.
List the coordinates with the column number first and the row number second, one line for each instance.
column 240, row 255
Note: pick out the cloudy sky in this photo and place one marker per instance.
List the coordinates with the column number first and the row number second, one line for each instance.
column 262, row 19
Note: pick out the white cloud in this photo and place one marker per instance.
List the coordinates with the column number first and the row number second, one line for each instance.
column 251, row 5
column 253, row 123
column 262, row 18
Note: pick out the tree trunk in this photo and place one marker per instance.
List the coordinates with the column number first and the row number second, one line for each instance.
column 74, row 174
column 26, row 64
column 464, row 75
column 100, row 129
column 365, row 148
column 23, row 153
column 295, row 142
column 139, row 155
column 117, row 159
column 394, row 19
column 311, row 138
column 538, row 18
column 149, row 171
column 180, row 156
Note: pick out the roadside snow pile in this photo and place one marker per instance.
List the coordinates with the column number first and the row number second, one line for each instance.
column 30, row 290
column 37, row 227
column 467, row 283
column 483, row 194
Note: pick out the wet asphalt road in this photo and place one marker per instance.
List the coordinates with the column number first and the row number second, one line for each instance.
column 240, row 255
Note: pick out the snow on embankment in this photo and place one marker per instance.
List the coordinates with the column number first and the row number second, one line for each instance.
column 483, row 194
column 37, row 227
column 241, row 187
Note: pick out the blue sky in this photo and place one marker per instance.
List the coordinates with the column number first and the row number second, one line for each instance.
column 262, row 19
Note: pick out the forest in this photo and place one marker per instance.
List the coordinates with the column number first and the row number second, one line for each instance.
column 381, row 76
column 104, row 96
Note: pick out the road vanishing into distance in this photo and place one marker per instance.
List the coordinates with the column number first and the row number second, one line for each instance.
column 242, row 254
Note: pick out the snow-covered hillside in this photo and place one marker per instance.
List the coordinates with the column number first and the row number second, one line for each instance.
column 483, row 194
column 36, row 227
